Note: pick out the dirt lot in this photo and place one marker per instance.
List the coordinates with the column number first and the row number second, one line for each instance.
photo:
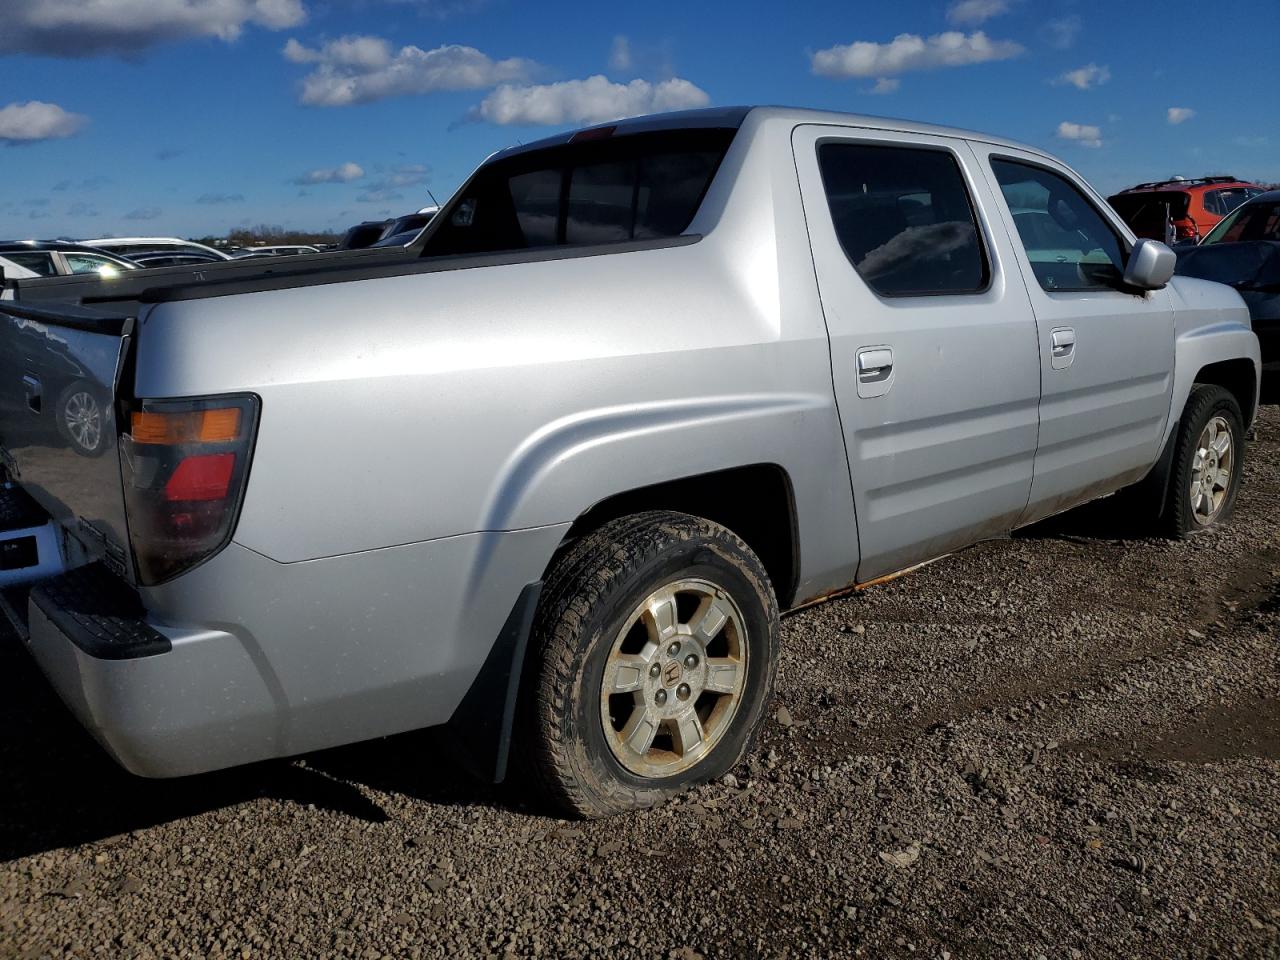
column 1062, row 745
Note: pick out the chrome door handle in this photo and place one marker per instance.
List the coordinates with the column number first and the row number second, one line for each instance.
column 1063, row 343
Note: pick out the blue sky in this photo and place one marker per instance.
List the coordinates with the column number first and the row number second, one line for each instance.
column 191, row 117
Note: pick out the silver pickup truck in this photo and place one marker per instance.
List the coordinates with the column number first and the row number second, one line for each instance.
column 546, row 479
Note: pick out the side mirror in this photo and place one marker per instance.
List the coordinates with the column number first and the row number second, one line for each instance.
column 1150, row 265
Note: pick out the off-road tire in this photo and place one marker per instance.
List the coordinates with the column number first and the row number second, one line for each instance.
column 585, row 601
column 1206, row 401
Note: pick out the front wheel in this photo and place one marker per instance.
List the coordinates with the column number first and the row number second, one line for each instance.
column 653, row 657
column 1208, row 459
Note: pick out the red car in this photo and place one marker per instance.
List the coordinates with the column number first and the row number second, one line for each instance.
column 1181, row 211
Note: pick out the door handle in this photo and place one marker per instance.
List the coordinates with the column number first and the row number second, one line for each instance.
column 1063, row 343
column 875, row 363
column 31, row 386
column 874, row 367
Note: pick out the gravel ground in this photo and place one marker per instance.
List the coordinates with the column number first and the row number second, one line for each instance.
column 1064, row 745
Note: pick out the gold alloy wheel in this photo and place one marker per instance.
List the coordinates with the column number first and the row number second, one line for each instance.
column 674, row 679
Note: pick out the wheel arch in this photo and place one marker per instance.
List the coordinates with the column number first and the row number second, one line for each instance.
column 1239, row 377
column 756, row 501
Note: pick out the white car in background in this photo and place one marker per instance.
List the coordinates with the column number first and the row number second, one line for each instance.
column 59, row 258
column 132, row 247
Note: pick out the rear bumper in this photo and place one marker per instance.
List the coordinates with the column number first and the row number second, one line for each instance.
column 162, row 702
column 245, row 659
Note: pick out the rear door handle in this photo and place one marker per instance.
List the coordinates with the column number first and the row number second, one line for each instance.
column 875, row 371
column 1063, row 343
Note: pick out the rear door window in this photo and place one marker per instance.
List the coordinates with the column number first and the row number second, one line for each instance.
column 34, row 260
column 904, row 218
column 1069, row 243
column 599, row 191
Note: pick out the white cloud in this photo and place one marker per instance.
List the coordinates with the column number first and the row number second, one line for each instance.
column 620, row 54
column 1084, row 78
column 220, row 198
column 973, row 12
column 82, row 28
column 36, row 120
column 886, row 85
column 592, row 100
column 908, row 52
column 1085, row 134
column 344, row 173
column 359, row 69
column 143, row 213
column 1062, row 33
column 387, row 185
column 1179, row 115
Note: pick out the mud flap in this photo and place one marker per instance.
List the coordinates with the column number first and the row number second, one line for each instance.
column 479, row 732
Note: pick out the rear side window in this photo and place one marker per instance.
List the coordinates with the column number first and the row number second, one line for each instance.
column 611, row 190
column 41, row 263
column 904, row 218
column 1069, row 244
column 1227, row 199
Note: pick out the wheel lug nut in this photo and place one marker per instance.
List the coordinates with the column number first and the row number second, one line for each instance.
column 674, row 648
column 660, row 697
column 655, row 670
column 682, row 691
column 691, row 661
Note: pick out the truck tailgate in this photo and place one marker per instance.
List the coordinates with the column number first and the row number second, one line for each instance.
column 60, row 368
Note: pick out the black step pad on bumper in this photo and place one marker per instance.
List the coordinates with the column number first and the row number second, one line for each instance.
column 99, row 613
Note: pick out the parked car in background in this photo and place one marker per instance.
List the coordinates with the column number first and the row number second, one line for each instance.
column 277, row 250
column 175, row 258
column 58, row 258
column 659, row 381
column 1243, row 250
column 1180, row 211
column 403, row 230
column 133, row 247
column 363, row 234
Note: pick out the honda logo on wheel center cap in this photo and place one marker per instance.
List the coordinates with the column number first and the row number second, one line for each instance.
column 671, row 674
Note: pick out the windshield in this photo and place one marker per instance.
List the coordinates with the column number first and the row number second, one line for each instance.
column 1253, row 221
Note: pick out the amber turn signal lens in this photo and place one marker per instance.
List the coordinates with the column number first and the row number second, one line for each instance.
column 198, row 426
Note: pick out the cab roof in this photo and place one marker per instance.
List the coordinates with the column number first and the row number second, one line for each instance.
column 735, row 117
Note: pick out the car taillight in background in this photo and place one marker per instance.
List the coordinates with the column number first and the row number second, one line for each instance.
column 185, row 464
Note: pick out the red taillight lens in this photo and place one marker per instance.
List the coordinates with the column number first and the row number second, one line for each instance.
column 204, row 477
column 185, row 467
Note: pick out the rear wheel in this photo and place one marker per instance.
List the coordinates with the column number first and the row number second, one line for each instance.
column 1207, row 463
column 653, row 658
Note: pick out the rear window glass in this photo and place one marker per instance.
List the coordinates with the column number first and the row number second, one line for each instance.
column 904, row 218
column 1148, row 214
column 638, row 187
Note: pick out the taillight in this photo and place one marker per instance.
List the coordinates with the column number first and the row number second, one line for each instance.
column 185, row 466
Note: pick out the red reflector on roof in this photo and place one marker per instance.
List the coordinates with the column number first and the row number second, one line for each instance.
column 595, row 133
